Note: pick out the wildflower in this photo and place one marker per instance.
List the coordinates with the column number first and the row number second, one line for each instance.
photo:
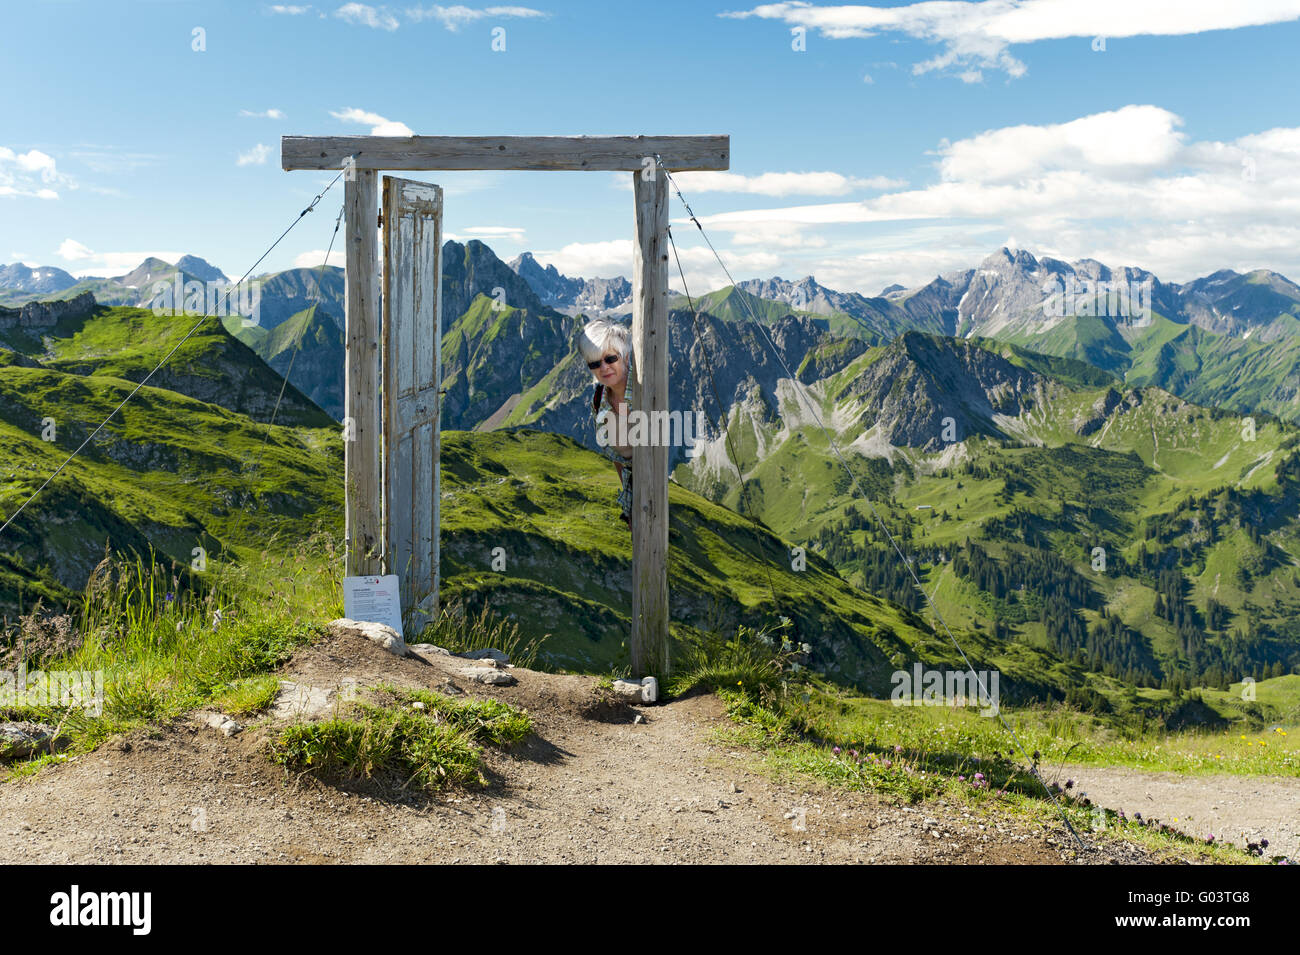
column 898, row 749
column 1069, row 784
column 853, row 753
column 835, row 750
column 1210, row 839
column 961, row 779
column 170, row 597
column 806, row 647
column 1263, row 843
column 979, row 776
column 888, row 763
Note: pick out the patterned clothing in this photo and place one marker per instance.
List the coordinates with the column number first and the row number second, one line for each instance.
column 601, row 411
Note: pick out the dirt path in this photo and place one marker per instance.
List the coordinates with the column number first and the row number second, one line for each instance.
column 582, row 789
column 1235, row 809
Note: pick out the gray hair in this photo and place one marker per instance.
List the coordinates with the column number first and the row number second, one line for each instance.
column 601, row 335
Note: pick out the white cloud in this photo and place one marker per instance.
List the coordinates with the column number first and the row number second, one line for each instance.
column 977, row 35
column 364, row 15
column 379, row 126
column 265, row 114
column 591, row 259
column 113, row 160
column 254, row 157
column 1125, row 187
column 454, row 17
column 781, row 183
column 106, row 263
column 72, row 250
column 314, row 258
column 780, row 237
column 1136, row 138
column 614, row 257
column 289, row 9
column 30, row 175
column 494, row 232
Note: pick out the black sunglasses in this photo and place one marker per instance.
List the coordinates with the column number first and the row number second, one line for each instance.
column 609, row 360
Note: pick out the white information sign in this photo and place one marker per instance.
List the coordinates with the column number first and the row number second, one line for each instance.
column 373, row 599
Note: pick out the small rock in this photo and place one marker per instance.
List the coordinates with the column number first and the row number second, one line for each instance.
column 379, row 633
column 428, row 650
column 490, row 676
column 629, row 691
column 230, row 728
column 638, row 691
column 22, row 739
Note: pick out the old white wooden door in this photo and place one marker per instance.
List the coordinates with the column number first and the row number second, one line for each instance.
column 412, row 376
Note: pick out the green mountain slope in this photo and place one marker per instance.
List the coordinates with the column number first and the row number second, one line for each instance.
column 128, row 343
column 307, row 347
column 1006, row 515
column 168, row 472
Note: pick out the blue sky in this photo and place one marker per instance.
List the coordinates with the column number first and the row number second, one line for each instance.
column 903, row 140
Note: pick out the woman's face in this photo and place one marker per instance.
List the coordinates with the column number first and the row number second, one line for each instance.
column 611, row 374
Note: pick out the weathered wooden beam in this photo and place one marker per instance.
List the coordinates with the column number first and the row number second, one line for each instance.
column 650, row 461
column 361, row 411
column 589, row 153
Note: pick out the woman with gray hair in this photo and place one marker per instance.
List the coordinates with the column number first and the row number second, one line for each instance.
column 606, row 346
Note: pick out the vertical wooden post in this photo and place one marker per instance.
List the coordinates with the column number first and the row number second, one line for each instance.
column 362, row 476
column 650, row 463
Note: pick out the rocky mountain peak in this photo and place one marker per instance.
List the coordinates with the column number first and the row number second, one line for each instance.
column 200, row 269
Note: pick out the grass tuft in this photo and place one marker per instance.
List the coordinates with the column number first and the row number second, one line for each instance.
column 420, row 738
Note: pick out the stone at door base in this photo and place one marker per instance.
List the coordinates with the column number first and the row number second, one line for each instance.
column 638, row 691
column 379, row 633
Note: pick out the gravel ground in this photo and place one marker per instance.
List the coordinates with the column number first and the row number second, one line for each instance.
column 592, row 785
column 1234, row 809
